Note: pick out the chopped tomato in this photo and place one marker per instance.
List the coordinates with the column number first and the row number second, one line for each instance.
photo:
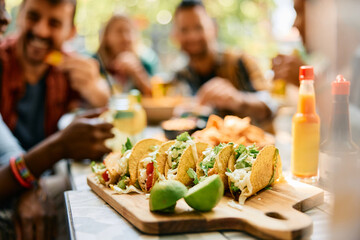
column 150, row 168
column 149, row 181
column 150, row 175
column 105, row 176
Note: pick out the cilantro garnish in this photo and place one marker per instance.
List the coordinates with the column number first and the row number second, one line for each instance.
column 126, row 146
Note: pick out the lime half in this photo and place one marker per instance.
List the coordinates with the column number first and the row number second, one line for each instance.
column 205, row 195
column 164, row 194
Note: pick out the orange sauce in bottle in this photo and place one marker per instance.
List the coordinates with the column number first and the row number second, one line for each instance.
column 305, row 131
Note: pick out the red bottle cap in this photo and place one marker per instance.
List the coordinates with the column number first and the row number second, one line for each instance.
column 340, row 86
column 306, row 73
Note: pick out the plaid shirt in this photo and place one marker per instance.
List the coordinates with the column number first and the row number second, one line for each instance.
column 59, row 96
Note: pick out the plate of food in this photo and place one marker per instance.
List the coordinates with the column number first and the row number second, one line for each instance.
column 183, row 185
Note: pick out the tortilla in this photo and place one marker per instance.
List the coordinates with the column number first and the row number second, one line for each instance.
column 266, row 169
column 112, row 165
column 160, row 164
column 139, row 151
column 220, row 165
column 186, row 161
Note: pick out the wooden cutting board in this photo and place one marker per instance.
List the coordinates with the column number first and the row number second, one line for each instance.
column 271, row 214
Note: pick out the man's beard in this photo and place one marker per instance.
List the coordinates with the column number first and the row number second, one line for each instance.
column 35, row 46
column 200, row 54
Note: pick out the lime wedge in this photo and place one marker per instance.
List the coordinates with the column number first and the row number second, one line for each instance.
column 164, row 194
column 205, row 195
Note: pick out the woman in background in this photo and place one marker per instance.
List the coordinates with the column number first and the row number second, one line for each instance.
column 119, row 60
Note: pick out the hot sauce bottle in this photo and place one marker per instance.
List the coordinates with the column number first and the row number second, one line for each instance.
column 305, row 130
column 338, row 146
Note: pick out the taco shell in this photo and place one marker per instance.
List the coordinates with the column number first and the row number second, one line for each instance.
column 161, row 161
column 112, row 165
column 186, row 161
column 139, row 151
column 221, row 163
column 262, row 173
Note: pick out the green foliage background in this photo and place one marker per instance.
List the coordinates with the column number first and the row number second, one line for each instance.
column 242, row 24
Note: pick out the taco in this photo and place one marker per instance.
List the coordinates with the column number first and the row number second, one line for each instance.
column 215, row 161
column 120, row 168
column 182, row 155
column 115, row 166
column 152, row 166
column 140, row 150
column 251, row 170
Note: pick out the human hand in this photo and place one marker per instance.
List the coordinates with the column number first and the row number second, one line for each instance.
column 35, row 216
column 84, row 138
column 220, row 93
column 127, row 63
column 83, row 72
column 287, row 67
column 84, row 77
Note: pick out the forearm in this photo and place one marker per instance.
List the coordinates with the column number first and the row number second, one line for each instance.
column 37, row 160
column 142, row 82
column 98, row 94
column 247, row 104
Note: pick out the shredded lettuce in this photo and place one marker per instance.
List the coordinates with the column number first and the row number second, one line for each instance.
column 210, row 157
column 245, row 155
column 192, row 174
column 123, row 182
column 97, row 167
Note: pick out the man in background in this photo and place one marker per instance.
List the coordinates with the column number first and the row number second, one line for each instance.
column 229, row 82
column 35, row 91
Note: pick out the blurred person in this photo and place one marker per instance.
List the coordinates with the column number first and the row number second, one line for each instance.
column 35, row 216
column 119, row 59
column 230, row 82
column 45, row 25
column 4, row 18
column 34, row 95
column 287, row 66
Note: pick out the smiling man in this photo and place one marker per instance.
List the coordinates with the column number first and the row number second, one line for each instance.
column 34, row 94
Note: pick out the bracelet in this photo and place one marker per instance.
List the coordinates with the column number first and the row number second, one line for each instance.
column 22, row 173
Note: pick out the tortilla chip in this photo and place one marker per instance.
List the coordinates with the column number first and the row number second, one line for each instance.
column 54, row 58
column 215, row 121
column 141, row 149
column 187, row 161
column 235, row 125
column 209, row 135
